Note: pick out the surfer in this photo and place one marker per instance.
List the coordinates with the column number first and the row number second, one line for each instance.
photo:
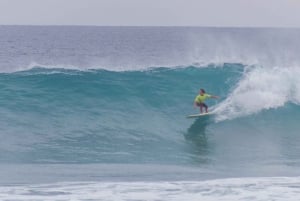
column 199, row 100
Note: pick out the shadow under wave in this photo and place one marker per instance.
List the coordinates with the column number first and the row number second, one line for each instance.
column 198, row 128
column 196, row 136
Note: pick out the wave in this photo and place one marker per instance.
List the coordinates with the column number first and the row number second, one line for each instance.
column 103, row 116
column 244, row 90
column 254, row 89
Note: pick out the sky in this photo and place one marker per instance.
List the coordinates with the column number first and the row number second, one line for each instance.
column 215, row 13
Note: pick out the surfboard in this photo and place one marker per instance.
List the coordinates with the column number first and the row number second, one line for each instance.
column 199, row 115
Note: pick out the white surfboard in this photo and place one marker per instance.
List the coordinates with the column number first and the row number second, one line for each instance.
column 199, row 115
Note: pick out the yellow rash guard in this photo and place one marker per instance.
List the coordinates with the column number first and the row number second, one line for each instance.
column 201, row 99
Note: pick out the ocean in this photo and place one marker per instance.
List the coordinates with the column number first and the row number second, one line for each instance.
column 99, row 113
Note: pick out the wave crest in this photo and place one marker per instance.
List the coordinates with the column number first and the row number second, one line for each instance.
column 261, row 89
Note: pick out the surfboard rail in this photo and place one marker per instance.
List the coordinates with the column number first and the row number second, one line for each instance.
column 199, row 115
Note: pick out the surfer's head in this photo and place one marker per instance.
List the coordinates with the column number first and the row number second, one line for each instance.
column 202, row 91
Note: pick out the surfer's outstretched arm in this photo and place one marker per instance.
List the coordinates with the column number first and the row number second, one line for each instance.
column 216, row 97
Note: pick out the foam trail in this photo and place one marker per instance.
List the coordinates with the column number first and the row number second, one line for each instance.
column 261, row 89
column 244, row 189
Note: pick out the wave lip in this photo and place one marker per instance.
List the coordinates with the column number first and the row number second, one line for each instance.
column 261, row 89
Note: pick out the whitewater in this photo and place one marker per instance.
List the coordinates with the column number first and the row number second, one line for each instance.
column 99, row 113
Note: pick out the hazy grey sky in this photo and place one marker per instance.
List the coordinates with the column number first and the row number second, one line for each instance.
column 274, row 13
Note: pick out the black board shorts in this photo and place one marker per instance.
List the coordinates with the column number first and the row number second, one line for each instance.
column 202, row 104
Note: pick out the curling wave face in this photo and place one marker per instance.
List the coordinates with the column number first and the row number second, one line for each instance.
column 101, row 116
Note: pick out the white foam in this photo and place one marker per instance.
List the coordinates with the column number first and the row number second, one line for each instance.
column 261, row 89
column 262, row 189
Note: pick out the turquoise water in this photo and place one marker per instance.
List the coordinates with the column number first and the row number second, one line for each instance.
column 105, row 105
column 139, row 117
column 102, row 116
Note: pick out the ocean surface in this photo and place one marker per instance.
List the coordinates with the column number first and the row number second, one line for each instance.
column 99, row 113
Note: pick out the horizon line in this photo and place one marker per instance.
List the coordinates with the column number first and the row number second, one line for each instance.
column 162, row 26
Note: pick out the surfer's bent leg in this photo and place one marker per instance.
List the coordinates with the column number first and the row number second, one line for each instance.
column 205, row 106
column 201, row 105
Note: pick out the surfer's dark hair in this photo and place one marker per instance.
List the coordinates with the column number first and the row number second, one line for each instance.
column 202, row 90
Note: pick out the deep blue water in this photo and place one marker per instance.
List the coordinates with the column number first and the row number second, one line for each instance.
column 110, row 104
